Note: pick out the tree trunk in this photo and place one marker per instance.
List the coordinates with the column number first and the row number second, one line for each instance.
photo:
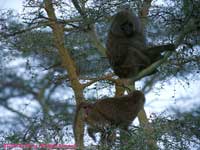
column 68, row 63
column 142, row 117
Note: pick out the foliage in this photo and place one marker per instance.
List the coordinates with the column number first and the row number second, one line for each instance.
column 35, row 87
column 177, row 132
column 180, row 131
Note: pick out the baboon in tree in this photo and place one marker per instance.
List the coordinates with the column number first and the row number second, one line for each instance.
column 127, row 51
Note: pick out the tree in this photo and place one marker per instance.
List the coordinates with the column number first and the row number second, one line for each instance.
column 65, row 37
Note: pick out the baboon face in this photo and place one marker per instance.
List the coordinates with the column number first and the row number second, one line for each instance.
column 127, row 28
column 125, row 24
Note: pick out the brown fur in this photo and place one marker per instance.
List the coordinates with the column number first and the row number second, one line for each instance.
column 126, row 47
column 111, row 112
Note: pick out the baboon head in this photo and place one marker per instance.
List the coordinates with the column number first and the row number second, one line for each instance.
column 125, row 24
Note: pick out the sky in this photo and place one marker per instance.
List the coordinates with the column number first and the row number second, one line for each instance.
column 176, row 94
column 12, row 4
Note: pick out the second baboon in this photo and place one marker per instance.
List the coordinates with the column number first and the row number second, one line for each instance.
column 127, row 51
column 110, row 112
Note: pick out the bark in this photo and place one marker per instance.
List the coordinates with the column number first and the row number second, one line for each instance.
column 151, row 143
column 97, row 43
column 68, row 63
column 119, row 89
column 142, row 116
column 143, row 13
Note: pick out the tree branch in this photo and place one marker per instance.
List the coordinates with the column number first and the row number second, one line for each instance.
column 5, row 105
column 143, row 13
column 97, row 43
column 106, row 77
column 78, row 8
column 188, row 27
column 42, row 24
column 69, row 64
column 91, row 32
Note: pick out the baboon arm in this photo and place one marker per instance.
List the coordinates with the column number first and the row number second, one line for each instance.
column 154, row 53
column 139, row 54
column 159, row 49
column 91, row 132
column 117, row 56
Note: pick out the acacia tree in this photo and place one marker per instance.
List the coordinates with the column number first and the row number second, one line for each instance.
column 69, row 37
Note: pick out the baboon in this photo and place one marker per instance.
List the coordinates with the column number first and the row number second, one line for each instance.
column 116, row 112
column 127, row 51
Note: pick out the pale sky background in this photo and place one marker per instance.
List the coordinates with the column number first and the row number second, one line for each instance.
column 175, row 94
column 13, row 4
column 159, row 99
